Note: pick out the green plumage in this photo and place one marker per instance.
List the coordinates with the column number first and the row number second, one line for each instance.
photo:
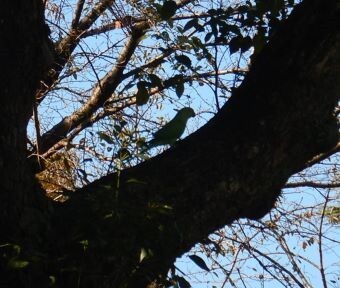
column 173, row 130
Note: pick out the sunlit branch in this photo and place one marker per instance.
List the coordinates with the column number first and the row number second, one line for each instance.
column 64, row 48
column 88, row 123
column 101, row 93
column 77, row 13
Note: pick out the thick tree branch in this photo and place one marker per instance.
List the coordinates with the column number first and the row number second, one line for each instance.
column 235, row 166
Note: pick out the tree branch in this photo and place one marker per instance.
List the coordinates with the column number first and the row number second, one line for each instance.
column 312, row 185
column 235, row 166
column 101, row 93
column 64, row 48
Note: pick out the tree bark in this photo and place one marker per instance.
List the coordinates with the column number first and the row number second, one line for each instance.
column 23, row 57
column 235, row 166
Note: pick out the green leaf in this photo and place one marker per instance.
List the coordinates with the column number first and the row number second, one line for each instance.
column 168, row 10
column 118, row 128
column 239, row 42
column 179, row 89
column 123, row 153
column 199, row 262
column 246, row 44
column 52, row 280
column 122, row 123
column 155, row 80
column 234, row 45
column 196, row 43
column 178, row 83
column 135, row 181
column 160, row 209
column 145, row 253
column 182, row 283
column 208, row 37
column 105, row 137
column 142, row 95
column 243, row 9
column 190, row 24
column 84, row 244
column 17, row 263
column 225, row 29
column 185, row 60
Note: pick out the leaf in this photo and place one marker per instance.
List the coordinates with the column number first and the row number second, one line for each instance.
column 234, row 45
column 118, row 128
column 140, row 142
column 105, row 137
column 179, row 89
column 182, row 283
column 145, row 253
column 178, row 83
column 123, row 153
column 185, row 60
column 135, row 181
column 122, row 123
column 208, row 37
column 84, row 244
column 155, row 80
column 199, row 262
column 52, row 280
column 142, row 95
column 246, row 43
column 239, row 42
column 242, row 9
column 17, row 263
column 190, row 24
column 225, row 29
column 160, row 209
column 168, row 10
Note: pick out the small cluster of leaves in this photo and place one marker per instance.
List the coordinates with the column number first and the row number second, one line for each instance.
column 11, row 253
column 143, row 87
column 117, row 135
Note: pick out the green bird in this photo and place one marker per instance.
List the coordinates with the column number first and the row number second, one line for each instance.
column 171, row 131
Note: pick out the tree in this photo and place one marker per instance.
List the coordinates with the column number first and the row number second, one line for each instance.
column 126, row 229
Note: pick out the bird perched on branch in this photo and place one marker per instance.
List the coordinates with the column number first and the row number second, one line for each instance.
column 173, row 130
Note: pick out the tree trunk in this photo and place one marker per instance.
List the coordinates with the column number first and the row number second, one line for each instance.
column 233, row 167
column 22, row 208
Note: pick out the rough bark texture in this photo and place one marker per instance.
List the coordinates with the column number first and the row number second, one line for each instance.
column 23, row 50
column 234, row 166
